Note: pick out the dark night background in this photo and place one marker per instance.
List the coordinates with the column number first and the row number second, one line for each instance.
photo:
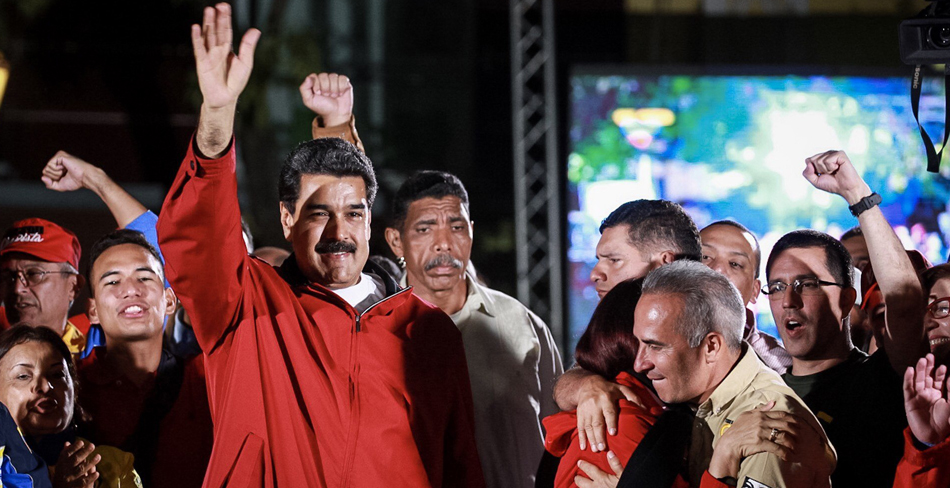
column 112, row 82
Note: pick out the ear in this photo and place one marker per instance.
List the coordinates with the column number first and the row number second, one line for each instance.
column 848, row 296
column 171, row 301
column 713, row 344
column 92, row 312
column 757, row 288
column 77, row 286
column 666, row 257
column 394, row 239
column 286, row 220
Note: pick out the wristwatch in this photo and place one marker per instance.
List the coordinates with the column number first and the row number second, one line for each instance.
column 865, row 203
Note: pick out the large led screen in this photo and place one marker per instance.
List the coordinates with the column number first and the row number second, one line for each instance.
column 733, row 147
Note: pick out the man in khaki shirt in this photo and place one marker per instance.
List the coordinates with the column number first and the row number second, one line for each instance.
column 689, row 322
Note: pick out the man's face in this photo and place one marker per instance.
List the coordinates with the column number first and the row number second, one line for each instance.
column 679, row 372
column 436, row 242
column 858, row 249
column 938, row 330
column 130, row 300
column 731, row 252
column 329, row 229
column 810, row 326
column 43, row 304
column 618, row 260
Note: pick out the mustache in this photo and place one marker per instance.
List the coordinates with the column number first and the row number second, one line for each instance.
column 443, row 260
column 335, row 246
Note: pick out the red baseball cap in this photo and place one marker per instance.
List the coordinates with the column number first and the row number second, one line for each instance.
column 43, row 240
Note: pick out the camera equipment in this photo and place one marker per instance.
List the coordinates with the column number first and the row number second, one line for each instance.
column 925, row 39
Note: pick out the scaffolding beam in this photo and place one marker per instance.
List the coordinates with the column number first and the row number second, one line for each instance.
column 536, row 166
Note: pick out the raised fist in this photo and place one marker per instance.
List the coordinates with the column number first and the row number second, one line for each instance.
column 832, row 171
column 328, row 95
column 65, row 172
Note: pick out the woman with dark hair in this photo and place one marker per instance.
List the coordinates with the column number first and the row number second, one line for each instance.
column 38, row 385
column 607, row 348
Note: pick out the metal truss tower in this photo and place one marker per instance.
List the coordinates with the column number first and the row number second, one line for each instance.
column 536, row 165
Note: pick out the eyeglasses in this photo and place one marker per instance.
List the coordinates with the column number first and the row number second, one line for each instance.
column 29, row 277
column 940, row 308
column 806, row 287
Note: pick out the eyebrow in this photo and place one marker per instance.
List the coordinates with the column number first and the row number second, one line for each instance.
column 798, row 277
column 652, row 342
column 323, row 206
column 115, row 272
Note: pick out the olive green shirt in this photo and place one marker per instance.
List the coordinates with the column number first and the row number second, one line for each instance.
column 750, row 385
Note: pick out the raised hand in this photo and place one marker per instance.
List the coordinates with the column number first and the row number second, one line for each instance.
column 65, row 172
column 926, row 401
column 222, row 75
column 328, row 95
column 76, row 466
column 832, row 171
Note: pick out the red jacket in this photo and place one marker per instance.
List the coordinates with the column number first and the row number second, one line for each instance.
column 304, row 390
column 929, row 468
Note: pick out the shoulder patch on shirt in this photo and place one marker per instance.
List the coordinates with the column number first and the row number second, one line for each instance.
column 751, row 483
column 824, row 416
column 725, row 427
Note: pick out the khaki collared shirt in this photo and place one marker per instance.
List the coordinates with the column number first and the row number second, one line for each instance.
column 512, row 364
column 750, row 385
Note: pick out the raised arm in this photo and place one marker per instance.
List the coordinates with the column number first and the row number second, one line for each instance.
column 833, row 172
column 330, row 97
column 222, row 76
column 200, row 224
column 65, row 172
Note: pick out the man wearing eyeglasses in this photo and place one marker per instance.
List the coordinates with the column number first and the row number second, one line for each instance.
column 39, row 279
column 811, row 292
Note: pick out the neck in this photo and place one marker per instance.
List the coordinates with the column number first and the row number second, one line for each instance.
column 834, row 354
column 805, row 367
column 137, row 360
column 449, row 301
column 720, row 370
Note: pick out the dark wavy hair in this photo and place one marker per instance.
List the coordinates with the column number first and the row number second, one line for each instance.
column 325, row 156
column 119, row 237
column 608, row 346
column 423, row 184
column 837, row 258
column 656, row 226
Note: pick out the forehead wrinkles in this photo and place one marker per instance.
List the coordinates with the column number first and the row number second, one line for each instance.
column 450, row 207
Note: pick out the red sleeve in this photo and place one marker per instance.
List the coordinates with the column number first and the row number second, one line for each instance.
column 199, row 232
column 930, row 467
column 709, row 481
column 462, row 466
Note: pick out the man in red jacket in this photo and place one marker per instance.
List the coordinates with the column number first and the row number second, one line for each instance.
column 320, row 372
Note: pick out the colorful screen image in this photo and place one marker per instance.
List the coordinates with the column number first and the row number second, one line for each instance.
column 733, row 147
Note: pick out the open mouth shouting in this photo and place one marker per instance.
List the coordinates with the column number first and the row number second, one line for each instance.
column 793, row 327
